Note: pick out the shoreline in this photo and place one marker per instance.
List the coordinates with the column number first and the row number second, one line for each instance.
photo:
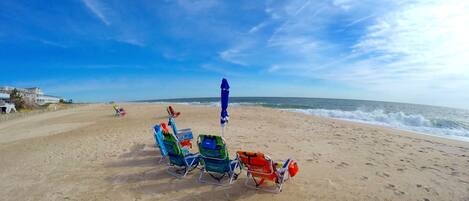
column 448, row 137
column 452, row 138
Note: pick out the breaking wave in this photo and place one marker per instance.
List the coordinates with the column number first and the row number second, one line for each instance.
column 399, row 120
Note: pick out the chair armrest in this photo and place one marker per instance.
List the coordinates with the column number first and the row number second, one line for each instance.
column 185, row 130
column 184, row 135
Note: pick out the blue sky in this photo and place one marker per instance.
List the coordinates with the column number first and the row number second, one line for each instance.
column 95, row 50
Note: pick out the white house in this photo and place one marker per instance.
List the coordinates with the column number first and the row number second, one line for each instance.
column 43, row 99
column 34, row 94
column 4, row 96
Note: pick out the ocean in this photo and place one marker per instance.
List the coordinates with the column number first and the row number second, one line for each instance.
column 432, row 120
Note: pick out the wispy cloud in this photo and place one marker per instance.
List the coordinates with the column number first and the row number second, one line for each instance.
column 98, row 9
column 52, row 43
column 257, row 27
column 238, row 54
column 361, row 19
column 132, row 41
column 418, row 43
column 407, row 47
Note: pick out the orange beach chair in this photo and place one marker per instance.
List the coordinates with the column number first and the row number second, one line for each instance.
column 261, row 168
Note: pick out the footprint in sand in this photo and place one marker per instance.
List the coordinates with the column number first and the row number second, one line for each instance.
column 382, row 174
column 394, row 189
column 379, row 153
column 455, row 174
column 342, row 165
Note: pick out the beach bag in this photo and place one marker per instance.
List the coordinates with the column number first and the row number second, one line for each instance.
column 293, row 168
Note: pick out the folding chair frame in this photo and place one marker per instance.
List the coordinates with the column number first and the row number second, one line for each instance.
column 174, row 169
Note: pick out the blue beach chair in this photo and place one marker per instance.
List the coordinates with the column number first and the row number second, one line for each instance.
column 181, row 161
column 214, row 154
column 158, row 134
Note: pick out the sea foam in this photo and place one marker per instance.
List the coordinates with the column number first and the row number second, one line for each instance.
column 398, row 120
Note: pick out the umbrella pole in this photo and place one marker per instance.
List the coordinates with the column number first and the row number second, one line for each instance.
column 222, row 130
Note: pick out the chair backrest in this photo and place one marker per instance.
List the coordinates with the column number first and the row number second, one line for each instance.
column 158, row 133
column 258, row 163
column 214, row 152
column 172, row 124
column 175, row 153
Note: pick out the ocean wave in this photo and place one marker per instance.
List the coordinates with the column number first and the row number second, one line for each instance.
column 208, row 104
column 399, row 120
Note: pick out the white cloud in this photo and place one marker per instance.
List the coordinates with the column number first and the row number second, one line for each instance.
column 426, row 41
column 359, row 20
column 132, row 41
column 343, row 4
column 257, row 27
column 415, row 51
column 98, row 10
column 238, row 54
column 52, row 43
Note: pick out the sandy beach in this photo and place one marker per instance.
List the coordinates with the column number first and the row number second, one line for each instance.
column 85, row 153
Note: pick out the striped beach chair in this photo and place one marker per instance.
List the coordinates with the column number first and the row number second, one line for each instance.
column 215, row 158
column 181, row 161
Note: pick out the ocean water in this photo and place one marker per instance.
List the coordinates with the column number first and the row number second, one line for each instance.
column 440, row 121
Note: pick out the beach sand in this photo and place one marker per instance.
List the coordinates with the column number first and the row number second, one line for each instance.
column 85, row 153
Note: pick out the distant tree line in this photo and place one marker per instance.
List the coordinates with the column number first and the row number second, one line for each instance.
column 17, row 98
column 69, row 101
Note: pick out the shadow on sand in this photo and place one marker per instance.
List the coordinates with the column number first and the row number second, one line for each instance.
column 143, row 174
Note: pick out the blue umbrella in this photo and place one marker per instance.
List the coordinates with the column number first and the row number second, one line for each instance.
column 225, row 91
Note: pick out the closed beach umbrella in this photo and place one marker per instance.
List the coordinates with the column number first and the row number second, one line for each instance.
column 225, row 91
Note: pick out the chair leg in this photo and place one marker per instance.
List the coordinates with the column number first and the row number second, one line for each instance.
column 161, row 159
column 175, row 173
column 233, row 173
column 201, row 175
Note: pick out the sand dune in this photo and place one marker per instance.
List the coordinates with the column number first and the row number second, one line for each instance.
column 85, row 153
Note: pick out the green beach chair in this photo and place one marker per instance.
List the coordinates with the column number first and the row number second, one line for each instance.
column 214, row 155
column 181, row 161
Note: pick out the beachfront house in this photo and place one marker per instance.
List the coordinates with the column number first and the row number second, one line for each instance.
column 4, row 96
column 34, row 95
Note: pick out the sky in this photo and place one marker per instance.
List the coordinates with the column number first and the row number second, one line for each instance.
column 95, row 50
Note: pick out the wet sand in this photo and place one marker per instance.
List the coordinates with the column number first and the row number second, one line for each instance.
column 85, row 153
